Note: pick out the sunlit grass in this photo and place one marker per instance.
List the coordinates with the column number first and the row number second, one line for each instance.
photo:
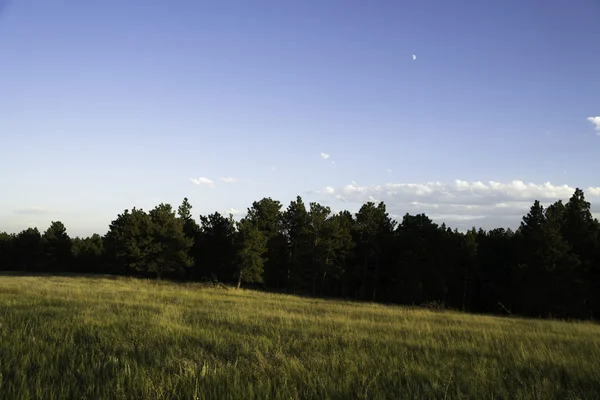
column 84, row 337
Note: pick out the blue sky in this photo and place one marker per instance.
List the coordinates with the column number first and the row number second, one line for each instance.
column 109, row 104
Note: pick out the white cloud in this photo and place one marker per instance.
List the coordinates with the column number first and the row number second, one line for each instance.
column 596, row 122
column 229, row 179
column 460, row 201
column 328, row 190
column 202, row 181
column 234, row 212
column 324, row 156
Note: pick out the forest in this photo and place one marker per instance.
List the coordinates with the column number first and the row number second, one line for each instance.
column 548, row 267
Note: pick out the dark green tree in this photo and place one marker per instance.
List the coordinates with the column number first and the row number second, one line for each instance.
column 546, row 261
column 266, row 216
column 190, row 227
column 191, row 231
column 88, row 254
column 251, row 246
column 57, row 248
column 374, row 232
column 127, row 242
column 295, row 230
column 320, row 238
column 28, row 250
column 340, row 253
column 215, row 249
column 582, row 232
column 496, row 256
column 469, row 248
column 549, row 267
column 7, row 253
column 423, row 271
column 169, row 247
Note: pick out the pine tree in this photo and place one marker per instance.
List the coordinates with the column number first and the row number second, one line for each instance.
column 252, row 246
column 169, row 247
column 57, row 247
column 266, row 216
column 127, row 242
column 374, row 229
column 216, row 247
column 295, row 227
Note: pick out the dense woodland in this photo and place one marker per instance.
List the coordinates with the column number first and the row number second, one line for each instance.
column 549, row 267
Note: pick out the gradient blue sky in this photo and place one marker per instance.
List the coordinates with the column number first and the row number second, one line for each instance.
column 109, row 104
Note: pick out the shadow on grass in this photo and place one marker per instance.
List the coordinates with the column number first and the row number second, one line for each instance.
column 49, row 274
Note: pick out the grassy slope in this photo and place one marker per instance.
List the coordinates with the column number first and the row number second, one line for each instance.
column 74, row 337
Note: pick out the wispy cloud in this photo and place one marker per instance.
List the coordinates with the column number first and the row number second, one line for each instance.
column 229, row 179
column 202, row 181
column 324, row 156
column 596, row 122
column 31, row 211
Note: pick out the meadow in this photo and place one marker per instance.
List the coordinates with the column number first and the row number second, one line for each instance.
column 117, row 338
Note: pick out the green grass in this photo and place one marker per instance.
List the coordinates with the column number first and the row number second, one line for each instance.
column 98, row 338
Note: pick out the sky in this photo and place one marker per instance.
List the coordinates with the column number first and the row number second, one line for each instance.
column 467, row 110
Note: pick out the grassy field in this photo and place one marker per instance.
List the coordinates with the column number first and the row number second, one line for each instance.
column 98, row 338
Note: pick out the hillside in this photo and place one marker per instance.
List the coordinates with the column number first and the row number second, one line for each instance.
column 85, row 337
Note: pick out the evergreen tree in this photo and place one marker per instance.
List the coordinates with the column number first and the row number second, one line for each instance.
column 549, row 267
column 340, row 227
column 88, row 253
column 374, row 229
column 252, row 247
column 127, row 242
column 191, row 231
column 319, row 235
column 546, row 260
column 190, row 227
column 215, row 250
column 266, row 216
column 28, row 250
column 6, row 251
column 582, row 232
column 169, row 247
column 295, row 221
column 57, row 248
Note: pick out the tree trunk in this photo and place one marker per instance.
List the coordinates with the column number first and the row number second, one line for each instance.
column 239, row 283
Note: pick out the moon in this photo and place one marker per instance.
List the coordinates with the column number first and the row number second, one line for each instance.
column 414, row 57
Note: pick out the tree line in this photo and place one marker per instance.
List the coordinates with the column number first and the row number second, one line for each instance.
column 548, row 267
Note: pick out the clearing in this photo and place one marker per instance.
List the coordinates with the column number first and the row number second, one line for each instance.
column 94, row 337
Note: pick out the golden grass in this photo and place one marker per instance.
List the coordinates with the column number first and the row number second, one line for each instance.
column 92, row 337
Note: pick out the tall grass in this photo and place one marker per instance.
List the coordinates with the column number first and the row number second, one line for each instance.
column 97, row 338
